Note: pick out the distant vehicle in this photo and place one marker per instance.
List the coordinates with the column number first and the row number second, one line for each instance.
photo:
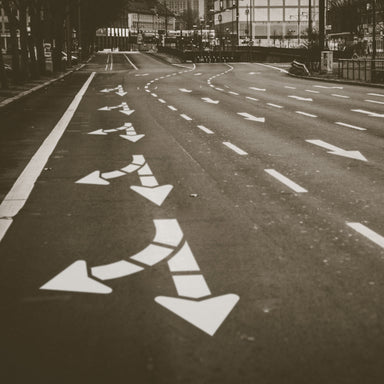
column 64, row 58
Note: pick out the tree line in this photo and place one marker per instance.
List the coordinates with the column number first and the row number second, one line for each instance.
column 37, row 26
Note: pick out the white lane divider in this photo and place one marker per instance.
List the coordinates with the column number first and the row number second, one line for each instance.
column 289, row 87
column 195, row 306
column 305, row 114
column 186, row 117
column 130, row 62
column 283, row 179
column 311, row 91
column 185, row 90
column 205, row 129
column 369, row 113
column 340, row 96
column 375, row 101
column 125, row 109
column 233, row 93
column 251, row 98
column 248, row 116
column 258, row 89
column 333, row 150
column 350, row 126
column 162, row 101
column 275, row 105
column 149, row 189
column 376, row 94
column 235, row 148
column 198, row 74
column 119, row 90
column 300, row 98
column 328, row 87
column 209, row 100
column 16, row 198
column 172, row 108
column 368, row 233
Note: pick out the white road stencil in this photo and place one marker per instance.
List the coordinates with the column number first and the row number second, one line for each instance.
column 123, row 109
column 119, row 90
column 332, row 149
column 248, row 116
column 130, row 133
column 149, row 189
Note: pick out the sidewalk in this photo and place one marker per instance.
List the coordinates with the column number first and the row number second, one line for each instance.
column 16, row 92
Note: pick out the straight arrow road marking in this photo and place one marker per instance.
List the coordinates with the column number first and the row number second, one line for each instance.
column 289, row 183
column 369, row 113
column 368, row 233
column 248, row 116
column 332, row 149
column 209, row 100
column 301, row 98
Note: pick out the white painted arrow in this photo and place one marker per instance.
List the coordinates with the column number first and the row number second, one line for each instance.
column 106, row 131
column 126, row 110
column 369, row 113
column 338, row 151
column 300, row 98
column 209, row 100
column 119, row 89
column 75, row 279
column 185, row 90
column 250, row 117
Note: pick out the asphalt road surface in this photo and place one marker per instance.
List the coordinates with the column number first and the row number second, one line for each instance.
column 209, row 223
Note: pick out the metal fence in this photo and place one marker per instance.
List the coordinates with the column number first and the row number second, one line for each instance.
column 361, row 70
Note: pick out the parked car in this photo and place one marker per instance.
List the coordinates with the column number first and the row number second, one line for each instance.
column 64, row 58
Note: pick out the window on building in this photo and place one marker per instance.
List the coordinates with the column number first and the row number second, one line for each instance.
column 261, row 14
column 276, row 14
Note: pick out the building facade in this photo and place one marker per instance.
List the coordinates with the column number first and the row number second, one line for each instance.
column 280, row 23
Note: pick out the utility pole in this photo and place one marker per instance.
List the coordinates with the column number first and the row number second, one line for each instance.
column 321, row 24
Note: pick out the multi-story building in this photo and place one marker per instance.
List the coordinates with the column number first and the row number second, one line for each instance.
column 281, row 23
column 180, row 6
column 4, row 30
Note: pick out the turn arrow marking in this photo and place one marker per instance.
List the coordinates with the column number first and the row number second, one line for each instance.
column 209, row 100
column 126, row 110
column 119, row 88
column 250, row 117
column 338, row 151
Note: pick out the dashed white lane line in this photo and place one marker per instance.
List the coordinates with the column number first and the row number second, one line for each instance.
column 153, row 94
column 289, row 87
column 376, row 94
column 251, row 98
column 235, row 148
column 147, row 90
column 274, row 105
column 368, row 233
column 311, row 91
column 374, row 101
column 20, row 191
column 186, row 117
column 258, row 89
column 205, row 129
column 289, row 183
column 305, row 114
column 350, row 126
column 219, row 89
column 162, row 101
column 341, row 96
column 233, row 93
column 172, row 108
column 300, row 98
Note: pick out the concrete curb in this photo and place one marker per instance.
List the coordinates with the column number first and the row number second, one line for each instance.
column 6, row 102
column 338, row 81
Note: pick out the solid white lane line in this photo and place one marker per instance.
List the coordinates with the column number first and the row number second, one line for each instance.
column 251, row 98
column 20, row 191
column 368, row 233
column 274, row 105
column 273, row 67
column 375, row 101
column 130, row 62
column 289, row 183
column 305, row 114
column 341, row 96
column 172, row 108
column 186, row 117
column 235, row 148
column 376, row 94
column 205, row 129
column 350, row 126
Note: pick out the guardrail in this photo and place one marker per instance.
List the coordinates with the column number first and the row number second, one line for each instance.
column 370, row 71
